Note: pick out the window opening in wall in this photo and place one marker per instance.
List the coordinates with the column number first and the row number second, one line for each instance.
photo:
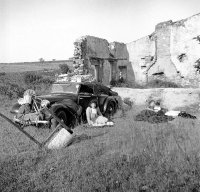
column 122, row 73
column 158, row 74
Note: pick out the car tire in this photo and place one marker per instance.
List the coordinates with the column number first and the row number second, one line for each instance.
column 110, row 109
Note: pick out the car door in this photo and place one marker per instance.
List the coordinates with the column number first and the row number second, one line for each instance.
column 85, row 95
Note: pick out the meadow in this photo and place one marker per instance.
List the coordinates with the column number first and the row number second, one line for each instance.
column 22, row 67
column 130, row 156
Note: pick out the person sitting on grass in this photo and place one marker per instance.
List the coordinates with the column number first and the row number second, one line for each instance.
column 94, row 115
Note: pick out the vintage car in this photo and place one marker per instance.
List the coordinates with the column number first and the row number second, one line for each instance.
column 66, row 98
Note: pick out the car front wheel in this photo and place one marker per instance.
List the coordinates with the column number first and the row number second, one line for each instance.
column 61, row 114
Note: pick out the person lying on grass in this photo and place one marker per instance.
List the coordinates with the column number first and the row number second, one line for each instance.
column 156, row 114
column 94, row 115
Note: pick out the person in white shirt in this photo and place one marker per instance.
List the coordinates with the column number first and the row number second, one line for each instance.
column 94, row 115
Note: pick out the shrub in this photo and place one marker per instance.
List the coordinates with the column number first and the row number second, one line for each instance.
column 32, row 78
column 128, row 101
column 120, row 83
column 161, row 84
column 64, row 68
column 11, row 90
column 2, row 73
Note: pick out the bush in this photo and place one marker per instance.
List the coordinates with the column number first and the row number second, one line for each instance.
column 32, row 78
column 161, row 84
column 120, row 83
column 64, row 68
column 151, row 84
column 2, row 73
column 11, row 90
column 128, row 102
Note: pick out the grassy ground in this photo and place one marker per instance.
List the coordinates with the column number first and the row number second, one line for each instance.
column 131, row 156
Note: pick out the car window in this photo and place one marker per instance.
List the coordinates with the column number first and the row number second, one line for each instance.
column 86, row 89
column 64, row 88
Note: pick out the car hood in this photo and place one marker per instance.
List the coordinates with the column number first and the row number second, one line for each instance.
column 54, row 97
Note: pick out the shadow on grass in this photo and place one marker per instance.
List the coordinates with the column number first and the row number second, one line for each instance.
column 83, row 137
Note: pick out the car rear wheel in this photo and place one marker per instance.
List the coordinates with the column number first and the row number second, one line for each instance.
column 110, row 110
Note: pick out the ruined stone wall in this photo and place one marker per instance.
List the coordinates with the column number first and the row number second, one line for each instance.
column 94, row 54
column 185, row 47
column 163, row 62
column 141, row 54
column 169, row 53
column 173, row 50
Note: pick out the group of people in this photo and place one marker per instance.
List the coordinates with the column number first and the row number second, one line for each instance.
column 154, row 113
column 26, row 112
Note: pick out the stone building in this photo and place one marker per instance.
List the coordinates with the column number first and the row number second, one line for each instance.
column 171, row 52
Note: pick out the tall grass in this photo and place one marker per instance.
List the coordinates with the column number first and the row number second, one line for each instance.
column 131, row 156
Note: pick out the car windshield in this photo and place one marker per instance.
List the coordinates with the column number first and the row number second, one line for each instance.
column 64, row 88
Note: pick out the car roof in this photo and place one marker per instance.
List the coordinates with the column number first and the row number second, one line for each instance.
column 89, row 84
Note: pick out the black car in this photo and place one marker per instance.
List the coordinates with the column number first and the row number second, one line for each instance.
column 66, row 99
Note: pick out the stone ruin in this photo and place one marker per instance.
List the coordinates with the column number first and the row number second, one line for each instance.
column 95, row 59
column 171, row 53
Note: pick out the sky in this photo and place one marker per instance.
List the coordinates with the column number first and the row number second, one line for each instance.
column 34, row 29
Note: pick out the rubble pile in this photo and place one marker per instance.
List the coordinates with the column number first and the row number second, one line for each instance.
column 71, row 77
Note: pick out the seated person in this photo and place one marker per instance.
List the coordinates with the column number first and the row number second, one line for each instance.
column 25, row 107
column 94, row 115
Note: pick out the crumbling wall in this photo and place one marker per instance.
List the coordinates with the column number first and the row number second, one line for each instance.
column 163, row 62
column 96, row 56
column 172, row 52
column 185, row 46
column 141, row 55
column 120, row 51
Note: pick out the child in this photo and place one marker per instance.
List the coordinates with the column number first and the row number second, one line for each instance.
column 94, row 116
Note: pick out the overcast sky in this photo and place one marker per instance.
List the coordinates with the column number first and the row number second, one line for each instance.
column 33, row 29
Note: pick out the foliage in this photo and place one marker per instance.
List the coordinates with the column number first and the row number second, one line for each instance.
column 120, row 83
column 128, row 101
column 157, row 83
column 197, row 66
column 32, row 78
column 11, row 90
column 161, row 84
column 64, row 68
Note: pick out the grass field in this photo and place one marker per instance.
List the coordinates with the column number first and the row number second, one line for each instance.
column 23, row 67
column 131, row 156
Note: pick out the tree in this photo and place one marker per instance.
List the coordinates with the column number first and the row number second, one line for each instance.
column 64, row 68
column 41, row 60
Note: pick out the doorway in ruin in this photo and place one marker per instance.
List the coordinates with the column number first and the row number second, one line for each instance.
column 99, row 72
column 98, row 67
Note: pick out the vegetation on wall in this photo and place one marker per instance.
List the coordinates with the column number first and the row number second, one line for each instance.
column 197, row 65
column 197, row 38
column 181, row 57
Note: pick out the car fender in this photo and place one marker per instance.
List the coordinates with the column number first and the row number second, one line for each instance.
column 55, row 107
column 109, row 99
